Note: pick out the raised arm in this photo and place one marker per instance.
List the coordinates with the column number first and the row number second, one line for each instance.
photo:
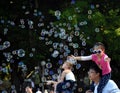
column 82, row 58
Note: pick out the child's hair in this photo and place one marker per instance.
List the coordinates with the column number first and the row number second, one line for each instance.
column 100, row 44
column 69, row 64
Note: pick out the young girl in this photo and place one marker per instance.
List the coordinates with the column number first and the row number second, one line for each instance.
column 66, row 81
column 103, row 62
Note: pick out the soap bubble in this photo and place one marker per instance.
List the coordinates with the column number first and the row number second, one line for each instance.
column 30, row 22
column 65, row 54
column 55, row 53
column 71, row 60
column 12, row 86
column 69, row 39
column 1, row 47
column 70, row 18
column 75, row 53
column 23, row 7
column 89, row 12
column 83, row 43
column 92, row 6
column 57, row 14
column 51, row 72
column 31, row 55
column 77, row 33
column 61, row 56
column 2, row 21
column 5, row 30
column 49, row 65
column 22, row 21
column 14, row 52
column 78, row 66
column 6, row 44
column 65, row 47
column 43, row 63
column 82, row 52
column 75, row 45
column 55, row 76
column 97, row 30
column 21, row 53
column 89, row 16
column 60, row 62
column 33, row 49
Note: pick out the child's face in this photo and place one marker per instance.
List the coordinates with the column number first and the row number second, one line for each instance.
column 64, row 65
column 98, row 51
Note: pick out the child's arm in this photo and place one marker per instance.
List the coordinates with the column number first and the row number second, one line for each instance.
column 62, row 77
column 49, row 82
column 82, row 58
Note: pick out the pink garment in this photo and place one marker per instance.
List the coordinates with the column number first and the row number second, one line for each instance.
column 105, row 66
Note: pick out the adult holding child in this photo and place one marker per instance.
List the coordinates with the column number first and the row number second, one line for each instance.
column 103, row 62
column 95, row 74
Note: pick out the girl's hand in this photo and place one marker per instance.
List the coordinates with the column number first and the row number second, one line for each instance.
column 71, row 57
column 107, row 59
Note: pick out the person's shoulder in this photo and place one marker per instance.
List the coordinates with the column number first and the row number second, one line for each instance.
column 112, row 87
column 111, row 83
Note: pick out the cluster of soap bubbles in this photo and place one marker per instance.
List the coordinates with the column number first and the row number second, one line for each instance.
column 61, row 37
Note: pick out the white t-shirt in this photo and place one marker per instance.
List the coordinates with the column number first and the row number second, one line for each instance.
column 70, row 76
column 110, row 87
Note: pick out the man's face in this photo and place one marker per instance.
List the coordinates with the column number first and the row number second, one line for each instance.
column 92, row 74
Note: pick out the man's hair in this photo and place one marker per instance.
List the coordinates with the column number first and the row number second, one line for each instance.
column 100, row 44
column 96, row 69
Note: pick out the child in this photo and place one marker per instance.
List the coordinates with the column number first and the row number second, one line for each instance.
column 66, row 81
column 103, row 62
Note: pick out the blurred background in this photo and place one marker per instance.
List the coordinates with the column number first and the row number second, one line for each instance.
column 36, row 36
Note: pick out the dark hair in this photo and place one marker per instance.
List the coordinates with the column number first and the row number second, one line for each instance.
column 96, row 69
column 100, row 44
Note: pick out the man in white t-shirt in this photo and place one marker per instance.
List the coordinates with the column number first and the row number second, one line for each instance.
column 95, row 74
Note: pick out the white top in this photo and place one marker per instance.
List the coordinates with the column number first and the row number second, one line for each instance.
column 111, row 87
column 70, row 76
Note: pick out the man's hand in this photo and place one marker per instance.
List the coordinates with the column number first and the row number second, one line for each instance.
column 88, row 91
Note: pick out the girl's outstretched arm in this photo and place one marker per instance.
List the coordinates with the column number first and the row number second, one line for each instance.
column 82, row 58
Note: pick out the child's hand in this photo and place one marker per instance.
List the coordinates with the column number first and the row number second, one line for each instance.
column 107, row 59
column 71, row 57
column 49, row 82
